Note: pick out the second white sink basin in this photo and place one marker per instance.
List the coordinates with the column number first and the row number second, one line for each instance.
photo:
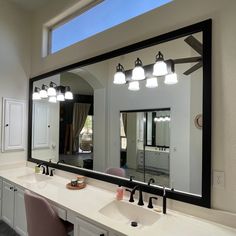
column 33, row 178
column 128, row 212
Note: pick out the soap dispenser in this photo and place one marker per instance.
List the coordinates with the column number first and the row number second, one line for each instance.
column 119, row 193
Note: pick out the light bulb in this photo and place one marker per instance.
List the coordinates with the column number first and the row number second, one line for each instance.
column 60, row 97
column 43, row 94
column 36, row 96
column 69, row 95
column 51, row 91
column 133, row 86
column 171, row 78
column 152, row 82
column 160, row 67
column 138, row 72
column 119, row 78
column 52, row 99
column 155, row 119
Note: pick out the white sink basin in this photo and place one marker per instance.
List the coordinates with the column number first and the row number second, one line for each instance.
column 33, row 178
column 128, row 212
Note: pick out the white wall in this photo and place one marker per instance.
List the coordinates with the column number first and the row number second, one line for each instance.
column 177, row 14
column 14, row 63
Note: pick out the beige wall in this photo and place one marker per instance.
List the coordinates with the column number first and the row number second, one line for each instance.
column 14, row 63
column 177, row 14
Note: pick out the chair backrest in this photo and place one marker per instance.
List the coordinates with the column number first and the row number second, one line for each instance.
column 42, row 220
column 115, row 171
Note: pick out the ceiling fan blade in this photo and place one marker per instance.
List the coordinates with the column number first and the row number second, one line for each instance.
column 187, row 60
column 193, row 68
column 194, row 43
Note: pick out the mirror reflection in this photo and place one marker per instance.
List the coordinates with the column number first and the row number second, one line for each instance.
column 154, row 136
column 139, row 157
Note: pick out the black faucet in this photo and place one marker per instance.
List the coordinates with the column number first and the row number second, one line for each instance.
column 150, row 202
column 151, row 181
column 45, row 168
column 61, row 161
column 140, row 200
column 164, row 200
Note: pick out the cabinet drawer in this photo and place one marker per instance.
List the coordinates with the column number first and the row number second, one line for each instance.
column 61, row 212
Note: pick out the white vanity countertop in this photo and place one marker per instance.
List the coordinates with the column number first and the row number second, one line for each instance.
column 87, row 202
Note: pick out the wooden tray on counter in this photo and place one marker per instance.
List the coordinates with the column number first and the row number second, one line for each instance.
column 78, row 187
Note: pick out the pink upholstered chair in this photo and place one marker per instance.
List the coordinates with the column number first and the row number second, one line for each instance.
column 115, row 171
column 42, row 219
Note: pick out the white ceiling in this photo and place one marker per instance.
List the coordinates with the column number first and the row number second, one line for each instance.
column 31, row 5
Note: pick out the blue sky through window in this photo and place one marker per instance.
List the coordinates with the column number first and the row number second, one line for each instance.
column 103, row 16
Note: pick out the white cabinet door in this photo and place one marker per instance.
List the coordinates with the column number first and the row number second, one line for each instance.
column 13, row 134
column 83, row 228
column 41, row 125
column 20, row 223
column 8, row 203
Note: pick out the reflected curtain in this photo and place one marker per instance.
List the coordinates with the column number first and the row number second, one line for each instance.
column 80, row 113
column 124, row 119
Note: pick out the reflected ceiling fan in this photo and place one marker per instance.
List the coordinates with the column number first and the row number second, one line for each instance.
column 197, row 46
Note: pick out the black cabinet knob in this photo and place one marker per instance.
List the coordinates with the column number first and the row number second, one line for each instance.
column 7, row 125
column 11, row 188
column 15, row 190
column 102, row 234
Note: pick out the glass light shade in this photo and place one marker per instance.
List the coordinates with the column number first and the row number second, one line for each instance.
column 160, row 68
column 43, row 93
column 171, row 78
column 60, row 97
column 155, row 119
column 69, row 95
column 51, row 91
column 119, row 78
column 52, row 99
column 133, row 86
column 138, row 73
column 152, row 82
column 36, row 96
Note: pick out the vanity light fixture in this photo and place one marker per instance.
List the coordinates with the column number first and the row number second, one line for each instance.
column 68, row 93
column 161, row 118
column 60, row 95
column 43, row 92
column 36, row 95
column 138, row 72
column 171, row 78
column 133, row 86
column 52, row 89
column 152, row 82
column 119, row 77
column 160, row 67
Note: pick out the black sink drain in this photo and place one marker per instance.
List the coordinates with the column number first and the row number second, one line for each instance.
column 134, row 223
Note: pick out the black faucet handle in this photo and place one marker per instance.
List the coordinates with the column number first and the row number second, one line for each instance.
column 131, row 199
column 51, row 172
column 150, row 202
column 43, row 169
column 131, row 178
column 151, row 181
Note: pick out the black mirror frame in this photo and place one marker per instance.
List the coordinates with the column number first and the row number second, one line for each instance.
column 206, row 28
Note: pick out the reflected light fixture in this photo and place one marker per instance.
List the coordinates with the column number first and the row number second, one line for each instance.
column 68, row 93
column 60, row 95
column 52, row 99
column 138, row 72
column 119, row 77
column 133, row 86
column 160, row 67
column 171, row 78
column 52, row 90
column 43, row 92
column 152, row 82
column 36, row 95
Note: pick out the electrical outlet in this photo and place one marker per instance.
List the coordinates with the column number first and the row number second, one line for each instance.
column 218, row 179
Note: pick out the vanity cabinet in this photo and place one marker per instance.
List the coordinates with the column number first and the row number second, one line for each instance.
column 84, row 228
column 13, row 208
column 13, row 130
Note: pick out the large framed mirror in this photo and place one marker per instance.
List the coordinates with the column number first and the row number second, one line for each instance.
column 96, row 118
